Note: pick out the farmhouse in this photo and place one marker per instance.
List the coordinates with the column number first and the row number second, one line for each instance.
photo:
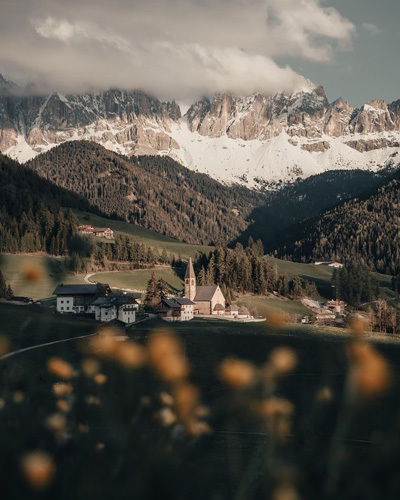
column 327, row 262
column 120, row 307
column 207, row 299
column 100, row 232
column 176, row 309
column 77, row 298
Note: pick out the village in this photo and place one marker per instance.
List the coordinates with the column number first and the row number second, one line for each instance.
column 99, row 301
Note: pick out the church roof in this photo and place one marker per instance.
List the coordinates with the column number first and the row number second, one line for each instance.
column 189, row 270
column 205, row 292
column 219, row 307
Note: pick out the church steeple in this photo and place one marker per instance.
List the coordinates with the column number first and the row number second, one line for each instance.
column 190, row 281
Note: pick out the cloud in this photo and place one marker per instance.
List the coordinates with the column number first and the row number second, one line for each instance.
column 171, row 48
column 371, row 29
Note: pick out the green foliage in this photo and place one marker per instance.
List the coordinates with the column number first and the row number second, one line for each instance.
column 5, row 288
column 152, row 191
column 355, row 284
column 241, row 270
column 31, row 216
column 366, row 230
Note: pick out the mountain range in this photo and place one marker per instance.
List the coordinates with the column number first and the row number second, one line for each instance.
column 257, row 140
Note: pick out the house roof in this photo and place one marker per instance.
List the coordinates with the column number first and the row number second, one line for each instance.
column 205, row 292
column 183, row 301
column 232, row 307
column 219, row 307
column 189, row 270
column 113, row 300
column 75, row 290
column 171, row 303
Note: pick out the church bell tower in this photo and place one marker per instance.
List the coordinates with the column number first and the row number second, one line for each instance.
column 190, row 281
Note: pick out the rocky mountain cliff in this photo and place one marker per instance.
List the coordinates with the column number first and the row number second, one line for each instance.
column 254, row 140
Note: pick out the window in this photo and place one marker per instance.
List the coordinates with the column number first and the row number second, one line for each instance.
column 62, row 309
column 62, row 302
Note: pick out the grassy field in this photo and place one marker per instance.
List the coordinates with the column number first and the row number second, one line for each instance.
column 322, row 275
column 112, row 420
column 137, row 280
column 16, row 267
column 142, row 235
column 262, row 306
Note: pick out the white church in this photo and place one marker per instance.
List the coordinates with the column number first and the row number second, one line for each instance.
column 208, row 300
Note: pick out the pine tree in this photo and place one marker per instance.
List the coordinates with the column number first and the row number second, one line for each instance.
column 162, row 288
column 152, row 298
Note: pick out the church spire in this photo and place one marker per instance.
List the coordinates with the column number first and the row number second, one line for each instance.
column 190, row 281
column 189, row 270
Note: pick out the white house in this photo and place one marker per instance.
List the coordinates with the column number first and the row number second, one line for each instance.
column 176, row 309
column 120, row 307
column 75, row 298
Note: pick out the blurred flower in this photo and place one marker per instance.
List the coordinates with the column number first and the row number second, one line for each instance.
column 198, row 428
column 105, row 344
column 278, row 413
column 32, row 274
column 90, row 367
column 166, row 417
column 63, row 405
column 38, row 468
column 62, row 389
column 84, row 429
column 2, row 403
column 283, row 360
column 100, row 379
column 167, row 359
column 56, row 423
column 93, row 400
column 130, row 355
column 324, row 395
column 358, row 325
column 370, row 373
column 166, row 399
column 18, row 397
column 285, row 491
column 237, row 374
column 276, row 319
column 186, row 401
column 59, row 368
column 4, row 345
column 100, row 446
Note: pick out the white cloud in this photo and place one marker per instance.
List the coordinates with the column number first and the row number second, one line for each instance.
column 371, row 29
column 172, row 48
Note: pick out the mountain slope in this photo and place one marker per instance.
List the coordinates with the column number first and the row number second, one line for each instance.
column 154, row 192
column 366, row 229
column 31, row 215
column 257, row 140
column 281, row 218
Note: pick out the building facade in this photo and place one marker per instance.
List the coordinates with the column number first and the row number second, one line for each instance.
column 208, row 300
column 176, row 309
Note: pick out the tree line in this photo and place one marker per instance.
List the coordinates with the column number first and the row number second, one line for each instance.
column 245, row 270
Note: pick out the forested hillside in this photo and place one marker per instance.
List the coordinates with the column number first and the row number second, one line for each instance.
column 154, row 192
column 277, row 222
column 366, row 229
column 31, row 215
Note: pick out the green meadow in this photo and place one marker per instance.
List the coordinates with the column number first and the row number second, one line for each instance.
column 142, row 235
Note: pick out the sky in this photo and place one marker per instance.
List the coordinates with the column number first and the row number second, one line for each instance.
column 184, row 49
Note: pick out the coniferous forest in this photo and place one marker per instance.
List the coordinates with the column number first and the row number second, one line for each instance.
column 32, row 217
column 363, row 229
column 154, row 192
